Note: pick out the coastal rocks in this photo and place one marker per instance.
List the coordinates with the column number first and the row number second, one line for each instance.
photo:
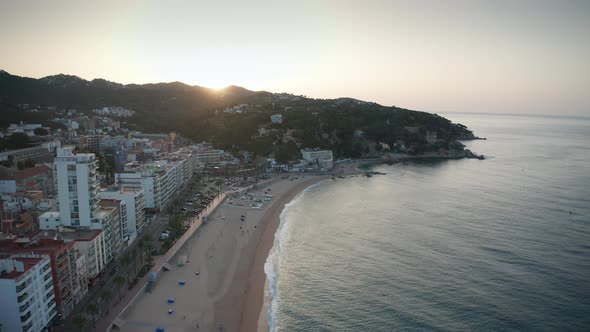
column 371, row 173
column 471, row 155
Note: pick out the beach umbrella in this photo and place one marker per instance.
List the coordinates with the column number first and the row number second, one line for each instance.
column 170, row 300
column 182, row 282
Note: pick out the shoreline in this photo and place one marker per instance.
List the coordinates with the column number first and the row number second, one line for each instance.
column 257, row 300
column 253, row 302
column 223, row 279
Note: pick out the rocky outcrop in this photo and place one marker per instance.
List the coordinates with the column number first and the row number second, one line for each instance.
column 469, row 154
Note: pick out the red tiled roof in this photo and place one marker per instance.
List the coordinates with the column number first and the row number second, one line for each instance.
column 27, row 173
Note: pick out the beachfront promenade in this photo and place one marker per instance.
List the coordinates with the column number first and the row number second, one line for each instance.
column 106, row 323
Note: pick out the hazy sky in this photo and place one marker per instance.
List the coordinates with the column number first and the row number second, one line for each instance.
column 438, row 56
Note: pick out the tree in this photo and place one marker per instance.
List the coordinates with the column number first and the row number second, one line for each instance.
column 41, row 132
column 93, row 311
column 141, row 246
column 134, row 259
column 20, row 165
column 29, row 163
column 150, row 247
column 107, row 295
column 79, row 321
column 18, row 141
column 127, row 262
column 119, row 281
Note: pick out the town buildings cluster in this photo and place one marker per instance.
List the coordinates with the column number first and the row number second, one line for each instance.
column 89, row 193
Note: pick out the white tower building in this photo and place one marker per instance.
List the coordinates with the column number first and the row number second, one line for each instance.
column 77, row 187
column 27, row 300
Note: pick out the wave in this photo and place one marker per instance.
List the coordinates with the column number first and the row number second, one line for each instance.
column 271, row 266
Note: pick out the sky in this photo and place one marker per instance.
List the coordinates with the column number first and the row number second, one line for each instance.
column 514, row 56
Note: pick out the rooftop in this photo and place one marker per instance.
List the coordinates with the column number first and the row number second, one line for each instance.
column 26, row 173
column 73, row 235
column 27, row 262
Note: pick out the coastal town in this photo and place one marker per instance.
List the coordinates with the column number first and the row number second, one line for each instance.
column 92, row 214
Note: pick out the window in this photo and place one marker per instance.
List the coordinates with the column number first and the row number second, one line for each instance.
column 71, row 168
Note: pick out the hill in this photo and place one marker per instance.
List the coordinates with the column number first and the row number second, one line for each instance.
column 351, row 127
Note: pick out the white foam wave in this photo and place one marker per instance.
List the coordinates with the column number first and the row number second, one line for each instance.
column 271, row 266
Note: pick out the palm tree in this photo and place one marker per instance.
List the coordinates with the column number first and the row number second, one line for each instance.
column 141, row 246
column 127, row 262
column 119, row 281
column 149, row 247
column 93, row 311
column 134, row 258
column 79, row 321
column 107, row 295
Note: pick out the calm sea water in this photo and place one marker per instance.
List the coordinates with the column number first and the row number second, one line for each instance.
column 495, row 245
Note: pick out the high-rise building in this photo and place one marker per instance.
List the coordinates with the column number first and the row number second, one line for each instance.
column 27, row 298
column 135, row 215
column 96, row 232
column 77, row 187
column 68, row 267
column 123, row 216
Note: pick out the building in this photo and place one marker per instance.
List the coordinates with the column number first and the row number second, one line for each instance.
column 89, row 242
column 109, row 221
column 38, row 153
column 205, row 153
column 323, row 158
column 77, row 187
column 67, row 266
column 134, row 220
column 19, row 212
column 159, row 181
column 276, row 118
column 28, row 129
column 123, row 216
column 35, row 178
column 91, row 143
column 28, row 298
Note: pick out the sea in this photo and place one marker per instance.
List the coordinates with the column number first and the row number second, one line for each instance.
column 501, row 244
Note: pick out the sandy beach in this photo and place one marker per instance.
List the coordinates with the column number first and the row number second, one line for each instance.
column 224, row 278
column 228, row 253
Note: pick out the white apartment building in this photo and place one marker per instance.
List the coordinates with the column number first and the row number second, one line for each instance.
column 109, row 218
column 276, row 118
column 324, row 158
column 134, row 219
column 77, row 187
column 28, row 299
column 123, row 216
column 205, row 153
column 91, row 244
column 159, row 181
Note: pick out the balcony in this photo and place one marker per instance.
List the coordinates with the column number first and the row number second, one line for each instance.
column 61, row 268
column 24, row 307
column 23, row 297
column 20, row 287
column 25, row 317
column 28, row 327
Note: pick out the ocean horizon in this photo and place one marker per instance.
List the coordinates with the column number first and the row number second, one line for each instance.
column 498, row 244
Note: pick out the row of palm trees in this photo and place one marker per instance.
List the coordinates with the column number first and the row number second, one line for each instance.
column 129, row 261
